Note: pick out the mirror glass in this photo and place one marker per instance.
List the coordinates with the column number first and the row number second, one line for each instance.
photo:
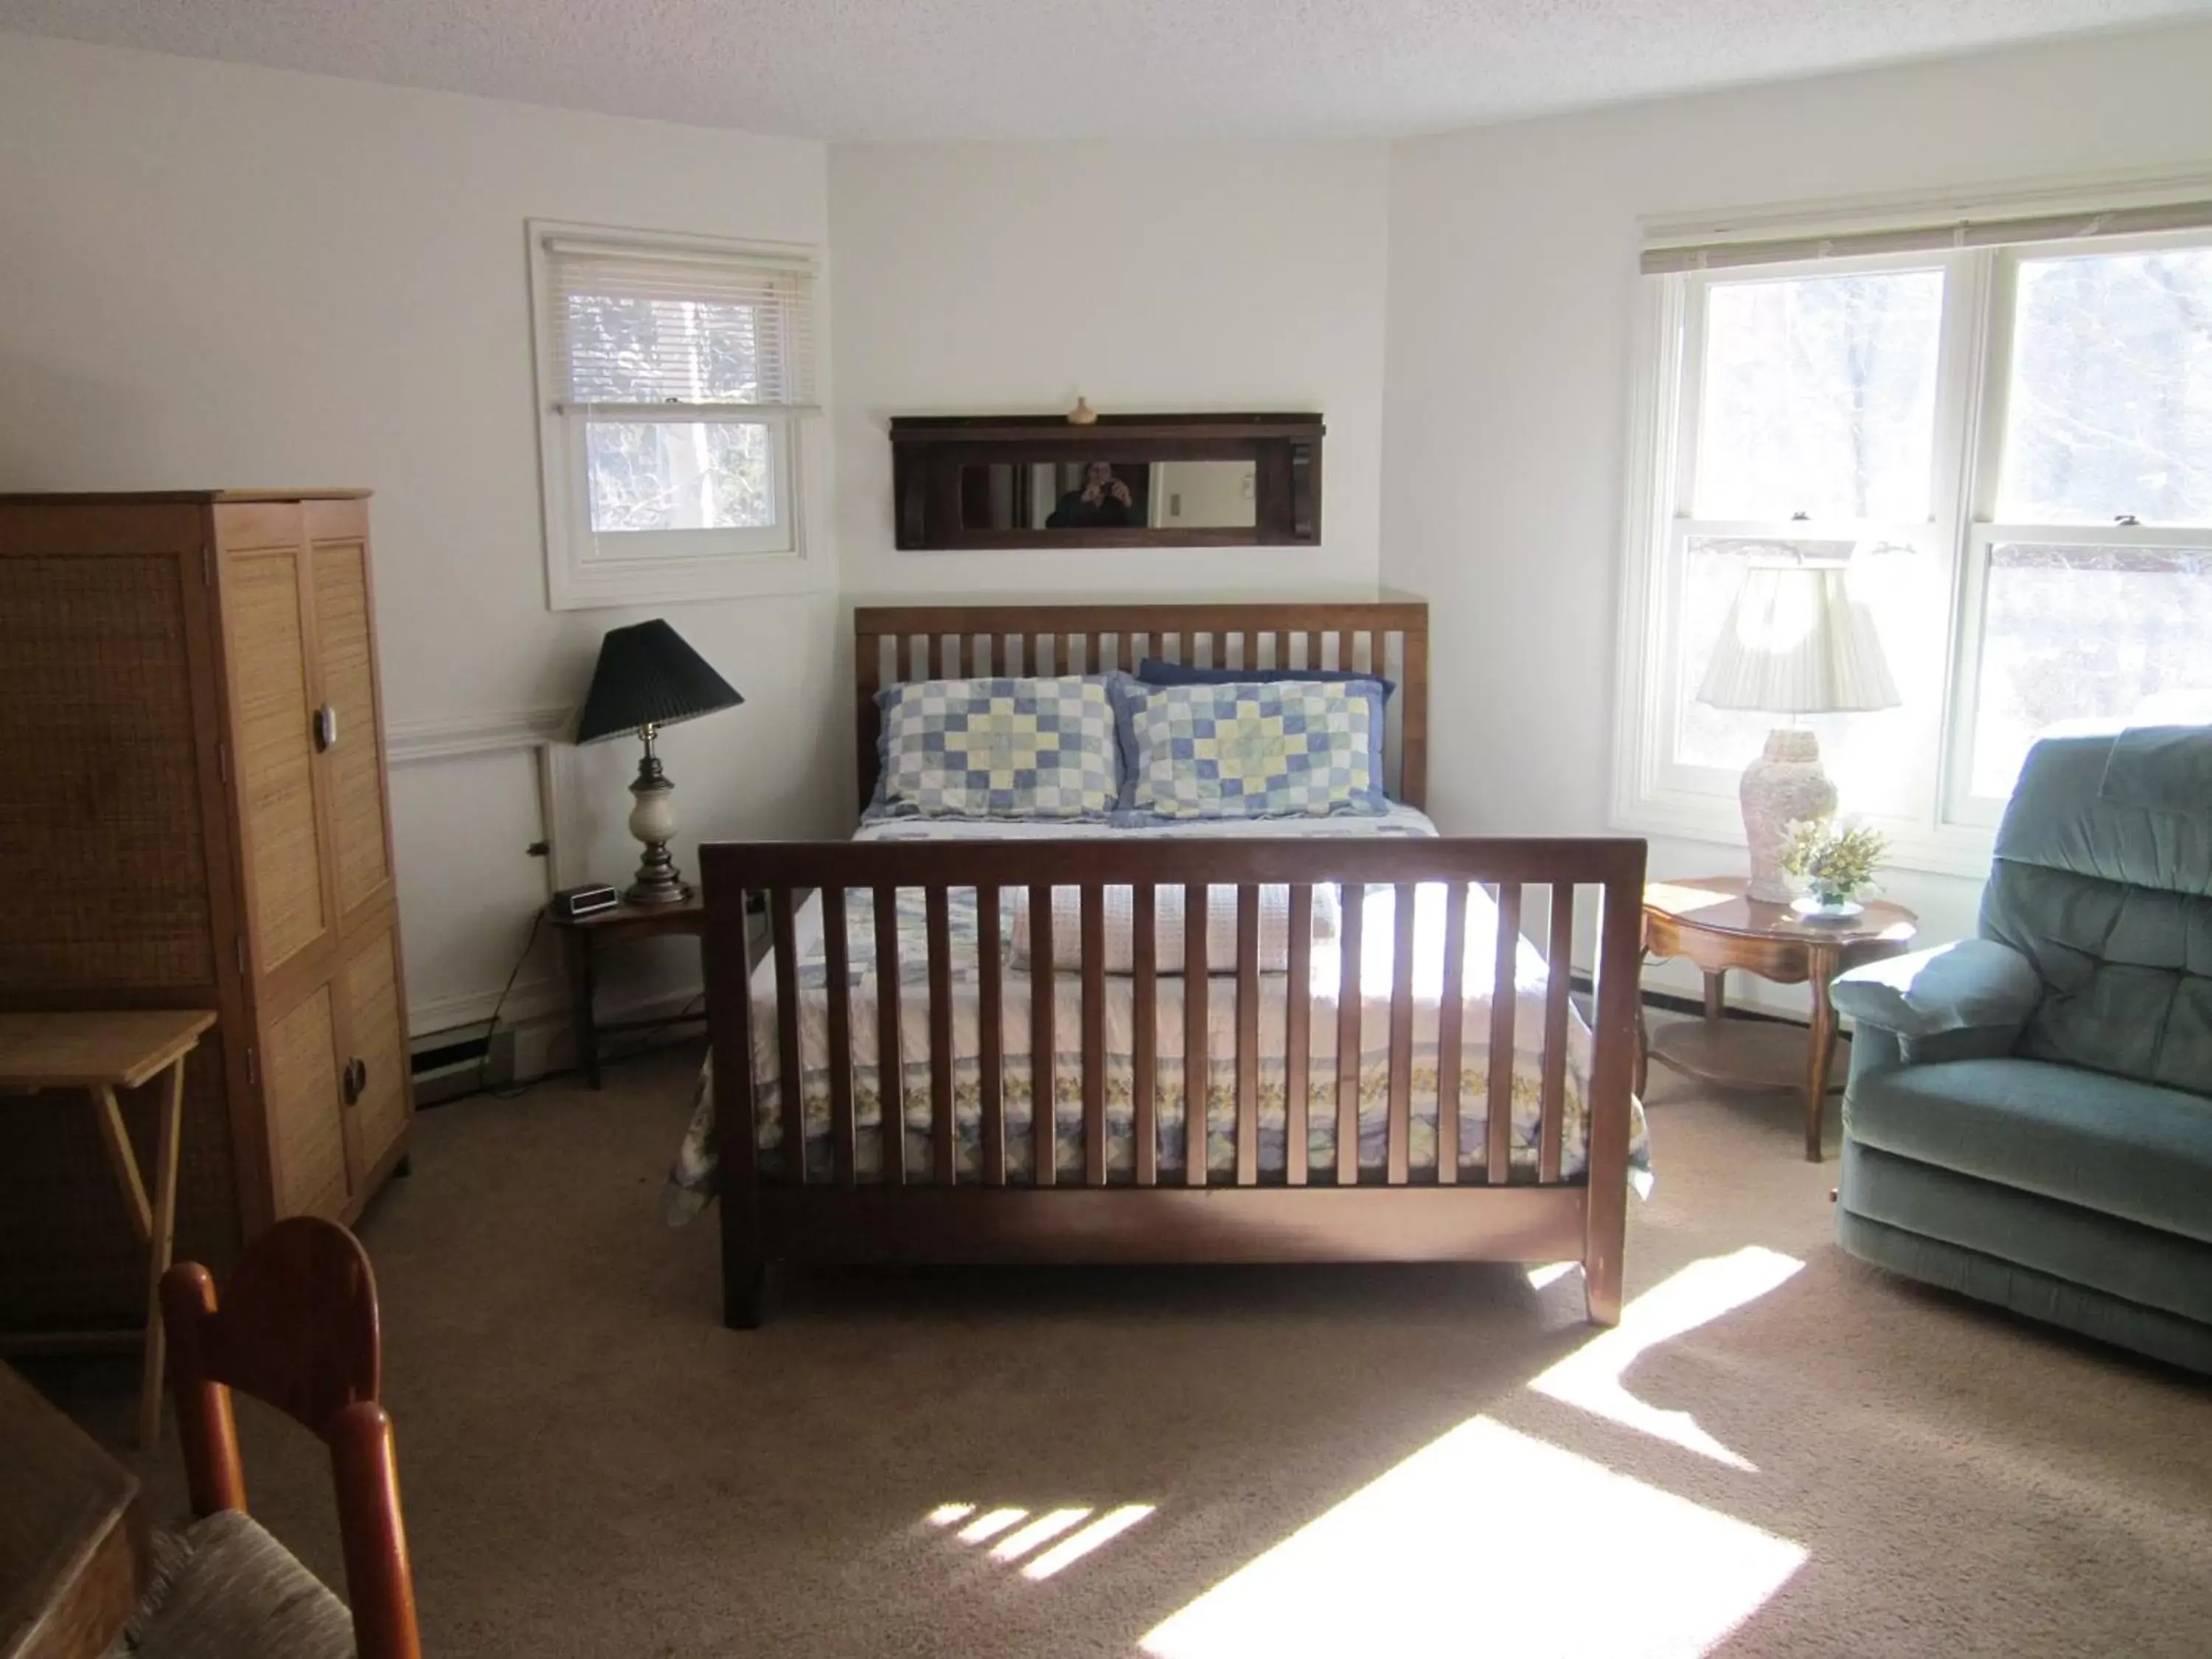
column 1104, row 495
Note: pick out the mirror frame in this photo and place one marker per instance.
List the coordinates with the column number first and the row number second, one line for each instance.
column 928, row 451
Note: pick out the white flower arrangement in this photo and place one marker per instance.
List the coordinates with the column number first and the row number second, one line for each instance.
column 1834, row 860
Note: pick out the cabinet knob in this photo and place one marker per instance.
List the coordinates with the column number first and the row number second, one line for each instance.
column 326, row 727
column 356, row 1078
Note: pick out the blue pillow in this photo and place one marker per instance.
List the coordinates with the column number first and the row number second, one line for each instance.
column 1155, row 671
column 998, row 748
column 1250, row 750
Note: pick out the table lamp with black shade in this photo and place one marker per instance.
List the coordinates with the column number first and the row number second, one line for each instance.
column 649, row 677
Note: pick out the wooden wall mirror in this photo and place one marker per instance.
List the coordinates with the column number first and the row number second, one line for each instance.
column 978, row 481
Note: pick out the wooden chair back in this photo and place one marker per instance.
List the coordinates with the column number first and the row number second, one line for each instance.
column 297, row 1329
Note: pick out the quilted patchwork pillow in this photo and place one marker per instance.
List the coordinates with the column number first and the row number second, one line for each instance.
column 1020, row 748
column 1292, row 749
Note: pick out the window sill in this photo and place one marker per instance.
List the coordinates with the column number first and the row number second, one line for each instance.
column 1955, row 850
column 604, row 585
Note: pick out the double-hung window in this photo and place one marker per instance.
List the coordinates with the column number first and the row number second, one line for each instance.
column 674, row 375
column 2000, row 425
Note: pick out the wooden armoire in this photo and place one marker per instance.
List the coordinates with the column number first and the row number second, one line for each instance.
column 193, row 814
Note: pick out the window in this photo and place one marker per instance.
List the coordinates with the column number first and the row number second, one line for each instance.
column 2007, row 440
column 675, row 373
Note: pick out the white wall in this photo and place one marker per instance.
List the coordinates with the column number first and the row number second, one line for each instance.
column 984, row 278
column 1512, row 287
column 214, row 275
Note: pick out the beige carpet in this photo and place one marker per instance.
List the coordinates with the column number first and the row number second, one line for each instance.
column 1773, row 1458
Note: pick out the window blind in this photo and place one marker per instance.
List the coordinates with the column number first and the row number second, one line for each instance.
column 639, row 327
column 1717, row 250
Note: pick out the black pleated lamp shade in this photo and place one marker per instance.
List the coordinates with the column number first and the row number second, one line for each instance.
column 649, row 677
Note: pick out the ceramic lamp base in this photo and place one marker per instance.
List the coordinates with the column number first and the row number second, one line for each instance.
column 1785, row 785
column 652, row 821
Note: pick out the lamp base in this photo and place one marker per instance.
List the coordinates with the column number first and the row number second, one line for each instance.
column 1785, row 785
column 652, row 821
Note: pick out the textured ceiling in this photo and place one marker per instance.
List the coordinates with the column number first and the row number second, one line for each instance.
column 1058, row 69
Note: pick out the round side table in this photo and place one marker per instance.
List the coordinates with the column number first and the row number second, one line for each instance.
column 1708, row 920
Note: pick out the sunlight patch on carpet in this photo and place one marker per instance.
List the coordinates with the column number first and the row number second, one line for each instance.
column 1079, row 1529
column 990, row 1524
column 1590, row 1378
column 1489, row 1537
column 1107, row 1528
column 1042, row 1530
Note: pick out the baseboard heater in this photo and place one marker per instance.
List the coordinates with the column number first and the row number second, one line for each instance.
column 448, row 1066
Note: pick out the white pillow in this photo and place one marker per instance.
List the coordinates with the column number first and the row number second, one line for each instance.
column 1168, row 927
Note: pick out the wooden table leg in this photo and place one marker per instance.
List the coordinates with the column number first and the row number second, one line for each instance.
column 162, row 1244
column 123, row 1160
column 576, row 948
column 1821, row 1055
column 1642, row 1050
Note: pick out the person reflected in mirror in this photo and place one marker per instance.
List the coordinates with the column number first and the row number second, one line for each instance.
column 1103, row 503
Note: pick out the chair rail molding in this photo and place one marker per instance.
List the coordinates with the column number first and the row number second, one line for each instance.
column 544, row 731
column 478, row 734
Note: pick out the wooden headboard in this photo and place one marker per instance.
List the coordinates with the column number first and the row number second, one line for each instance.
column 893, row 645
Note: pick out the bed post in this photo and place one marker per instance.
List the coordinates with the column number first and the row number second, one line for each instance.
column 729, row 1008
column 1620, row 971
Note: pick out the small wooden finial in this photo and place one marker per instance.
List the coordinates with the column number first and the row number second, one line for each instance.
column 1082, row 414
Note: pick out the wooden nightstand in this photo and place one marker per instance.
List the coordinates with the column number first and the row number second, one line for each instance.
column 583, row 938
column 1708, row 920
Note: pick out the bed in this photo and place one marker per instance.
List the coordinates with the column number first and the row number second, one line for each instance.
column 1390, row 1070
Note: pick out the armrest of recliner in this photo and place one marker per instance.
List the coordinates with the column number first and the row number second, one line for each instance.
column 1963, row 999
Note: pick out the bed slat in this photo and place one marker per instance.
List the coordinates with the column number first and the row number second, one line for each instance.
column 990, row 1024
column 1195, row 1056
column 1558, row 971
column 1451, row 1024
column 1145, row 1019
column 790, row 1083
column 1313, row 649
column 936, row 908
column 1297, row 1036
column 890, row 1059
column 1044, row 1093
column 935, row 644
column 1502, row 1002
column 1248, row 1035
column 1402, row 1034
column 1348, row 1037
column 1094, row 1035
column 1413, row 718
column 837, row 975
column 868, row 675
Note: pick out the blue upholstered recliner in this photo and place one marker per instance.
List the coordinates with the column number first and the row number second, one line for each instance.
column 2029, row 1115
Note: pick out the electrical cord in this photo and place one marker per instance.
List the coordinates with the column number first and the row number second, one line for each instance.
column 491, row 1026
column 643, row 1043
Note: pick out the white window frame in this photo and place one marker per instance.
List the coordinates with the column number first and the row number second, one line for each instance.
column 1653, row 794
column 587, row 570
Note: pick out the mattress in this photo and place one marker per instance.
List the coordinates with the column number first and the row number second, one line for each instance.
column 692, row 1181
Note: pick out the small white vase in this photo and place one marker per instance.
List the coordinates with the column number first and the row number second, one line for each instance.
column 1785, row 785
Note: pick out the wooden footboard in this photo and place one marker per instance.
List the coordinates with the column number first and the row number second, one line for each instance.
column 776, row 1209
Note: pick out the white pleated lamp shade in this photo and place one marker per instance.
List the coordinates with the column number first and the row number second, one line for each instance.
column 1796, row 642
